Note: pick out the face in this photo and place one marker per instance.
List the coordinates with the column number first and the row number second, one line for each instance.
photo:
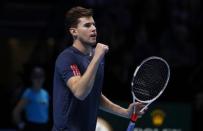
column 37, row 81
column 37, row 78
column 86, row 32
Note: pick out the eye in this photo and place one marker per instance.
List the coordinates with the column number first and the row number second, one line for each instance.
column 87, row 25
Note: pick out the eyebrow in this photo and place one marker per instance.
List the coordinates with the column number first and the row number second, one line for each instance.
column 90, row 23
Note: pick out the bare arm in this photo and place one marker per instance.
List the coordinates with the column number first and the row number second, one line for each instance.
column 18, row 110
column 81, row 86
column 113, row 108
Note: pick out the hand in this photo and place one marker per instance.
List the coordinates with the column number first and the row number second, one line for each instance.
column 100, row 51
column 138, row 106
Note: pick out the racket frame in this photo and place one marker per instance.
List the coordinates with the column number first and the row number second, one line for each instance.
column 148, row 102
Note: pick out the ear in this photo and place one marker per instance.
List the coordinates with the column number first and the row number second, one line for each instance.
column 73, row 32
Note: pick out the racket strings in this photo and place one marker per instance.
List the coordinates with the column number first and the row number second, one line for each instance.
column 150, row 79
column 141, row 91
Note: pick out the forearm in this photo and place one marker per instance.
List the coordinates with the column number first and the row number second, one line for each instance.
column 16, row 114
column 83, row 86
column 16, row 117
column 108, row 106
column 18, row 121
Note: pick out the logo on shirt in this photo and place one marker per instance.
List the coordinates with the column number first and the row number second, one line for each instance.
column 75, row 70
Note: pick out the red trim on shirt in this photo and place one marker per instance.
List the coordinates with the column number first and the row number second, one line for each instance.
column 75, row 70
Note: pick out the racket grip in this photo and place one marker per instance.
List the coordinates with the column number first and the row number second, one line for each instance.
column 131, row 126
column 134, row 117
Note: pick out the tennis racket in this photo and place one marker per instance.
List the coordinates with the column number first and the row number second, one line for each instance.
column 148, row 83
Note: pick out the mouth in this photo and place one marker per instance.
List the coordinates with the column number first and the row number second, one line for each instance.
column 93, row 35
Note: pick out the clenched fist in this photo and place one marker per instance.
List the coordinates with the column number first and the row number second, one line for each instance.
column 100, row 51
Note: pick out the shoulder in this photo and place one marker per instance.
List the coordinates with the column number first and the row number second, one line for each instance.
column 44, row 91
column 66, row 54
column 27, row 93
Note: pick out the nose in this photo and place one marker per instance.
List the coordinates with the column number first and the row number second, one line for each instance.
column 93, row 27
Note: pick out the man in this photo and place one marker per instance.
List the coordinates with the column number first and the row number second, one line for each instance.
column 35, row 103
column 78, row 77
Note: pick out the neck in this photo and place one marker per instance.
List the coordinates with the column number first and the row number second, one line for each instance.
column 36, row 88
column 84, row 48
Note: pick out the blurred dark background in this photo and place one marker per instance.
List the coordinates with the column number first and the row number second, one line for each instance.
column 32, row 33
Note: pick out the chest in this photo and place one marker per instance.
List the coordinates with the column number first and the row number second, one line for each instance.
column 84, row 63
column 38, row 98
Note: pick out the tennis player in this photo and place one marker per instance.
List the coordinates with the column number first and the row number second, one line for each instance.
column 78, row 78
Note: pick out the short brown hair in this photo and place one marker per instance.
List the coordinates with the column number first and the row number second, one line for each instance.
column 72, row 16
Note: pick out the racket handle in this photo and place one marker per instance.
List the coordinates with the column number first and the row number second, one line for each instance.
column 131, row 126
column 134, row 117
